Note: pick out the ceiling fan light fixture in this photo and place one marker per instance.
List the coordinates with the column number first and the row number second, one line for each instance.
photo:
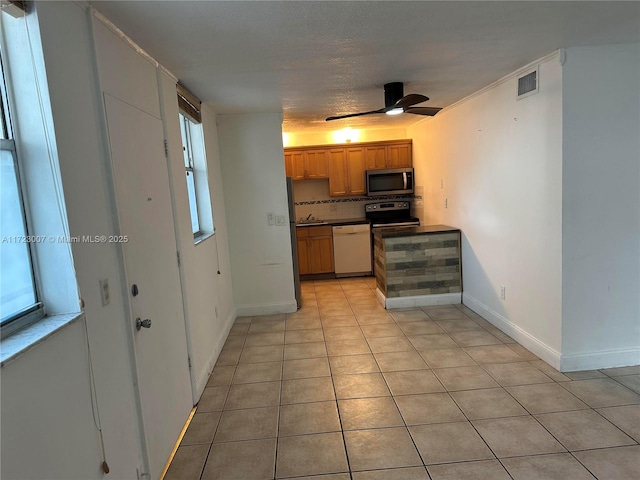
column 395, row 104
column 395, row 111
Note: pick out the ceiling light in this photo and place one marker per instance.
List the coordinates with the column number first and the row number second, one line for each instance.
column 346, row 135
column 395, row 111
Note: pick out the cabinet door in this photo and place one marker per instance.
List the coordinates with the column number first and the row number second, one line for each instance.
column 399, row 156
column 288, row 167
column 338, row 183
column 376, row 157
column 317, row 165
column 294, row 164
column 356, row 168
column 321, row 254
column 303, row 256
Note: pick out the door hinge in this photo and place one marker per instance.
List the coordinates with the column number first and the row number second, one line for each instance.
column 189, row 361
column 178, row 256
column 166, row 148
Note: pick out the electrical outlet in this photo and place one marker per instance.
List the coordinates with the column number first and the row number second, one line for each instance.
column 503, row 292
column 333, row 207
column 270, row 220
column 280, row 220
column 104, row 292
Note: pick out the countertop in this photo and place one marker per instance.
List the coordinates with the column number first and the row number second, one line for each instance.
column 389, row 232
column 341, row 221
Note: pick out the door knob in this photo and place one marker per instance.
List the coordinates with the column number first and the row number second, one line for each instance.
column 142, row 323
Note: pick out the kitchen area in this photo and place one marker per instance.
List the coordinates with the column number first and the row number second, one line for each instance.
column 343, row 199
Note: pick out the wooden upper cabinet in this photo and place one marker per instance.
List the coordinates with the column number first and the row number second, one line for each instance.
column 399, row 155
column 396, row 154
column 338, row 181
column 303, row 164
column 316, row 164
column 346, row 171
column 376, row 157
column 288, row 167
column 356, row 167
column 294, row 164
column 345, row 165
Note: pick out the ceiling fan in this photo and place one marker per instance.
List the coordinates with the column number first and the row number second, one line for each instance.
column 396, row 102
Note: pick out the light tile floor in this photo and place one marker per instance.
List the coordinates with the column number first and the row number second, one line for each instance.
column 345, row 390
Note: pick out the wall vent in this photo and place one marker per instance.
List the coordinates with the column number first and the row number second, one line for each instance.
column 528, row 84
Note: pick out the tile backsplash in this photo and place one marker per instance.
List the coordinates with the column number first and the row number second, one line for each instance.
column 312, row 198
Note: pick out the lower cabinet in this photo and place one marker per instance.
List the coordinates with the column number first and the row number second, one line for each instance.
column 315, row 250
column 303, row 252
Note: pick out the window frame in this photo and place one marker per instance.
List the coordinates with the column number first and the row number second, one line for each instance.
column 34, row 312
column 186, row 123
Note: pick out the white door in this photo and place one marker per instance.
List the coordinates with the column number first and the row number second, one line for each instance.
column 144, row 212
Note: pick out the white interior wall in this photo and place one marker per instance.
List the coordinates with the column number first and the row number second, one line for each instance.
column 46, row 392
column 48, row 428
column 601, row 207
column 226, row 305
column 208, row 305
column 499, row 160
column 220, row 244
column 47, row 422
column 253, row 178
column 129, row 78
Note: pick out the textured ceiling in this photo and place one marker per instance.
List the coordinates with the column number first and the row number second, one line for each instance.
column 311, row 59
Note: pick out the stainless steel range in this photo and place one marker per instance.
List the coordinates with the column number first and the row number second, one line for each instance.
column 390, row 214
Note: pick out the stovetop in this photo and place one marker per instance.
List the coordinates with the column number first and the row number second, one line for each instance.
column 390, row 213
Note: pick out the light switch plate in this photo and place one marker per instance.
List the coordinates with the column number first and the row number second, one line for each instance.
column 104, row 292
column 280, row 220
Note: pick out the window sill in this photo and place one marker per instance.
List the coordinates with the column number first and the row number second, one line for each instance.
column 24, row 340
column 202, row 237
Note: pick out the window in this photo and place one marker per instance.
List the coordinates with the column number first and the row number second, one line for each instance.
column 19, row 303
column 187, row 151
column 195, row 165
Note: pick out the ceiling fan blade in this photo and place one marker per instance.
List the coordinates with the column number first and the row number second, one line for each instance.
column 428, row 111
column 409, row 100
column 338, row 117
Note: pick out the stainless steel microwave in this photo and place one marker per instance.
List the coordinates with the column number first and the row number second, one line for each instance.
column 393, row 181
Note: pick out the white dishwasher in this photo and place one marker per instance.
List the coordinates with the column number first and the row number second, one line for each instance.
column 352, row 249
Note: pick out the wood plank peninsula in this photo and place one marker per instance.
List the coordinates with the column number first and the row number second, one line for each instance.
column 417, row 266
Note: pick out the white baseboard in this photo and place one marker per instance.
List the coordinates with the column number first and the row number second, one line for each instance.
column 562, row 363
column 597, row 360
column 419, row 300
column 524, row 338
column 266, row 309
column 203, row 376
